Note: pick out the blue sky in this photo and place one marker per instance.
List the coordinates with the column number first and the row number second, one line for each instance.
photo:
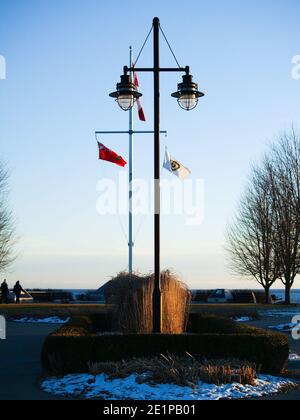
column 65, row 56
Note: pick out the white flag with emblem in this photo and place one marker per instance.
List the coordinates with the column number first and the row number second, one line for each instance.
column 176, row 167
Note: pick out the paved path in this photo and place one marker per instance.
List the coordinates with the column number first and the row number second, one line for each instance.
column 293, row 365
column 20, row 361
column 290, row 396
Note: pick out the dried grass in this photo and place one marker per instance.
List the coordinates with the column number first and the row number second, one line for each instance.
column 182, row 371
column 132, row 295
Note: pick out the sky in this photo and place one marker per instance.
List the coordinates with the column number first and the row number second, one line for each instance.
column 63, row 58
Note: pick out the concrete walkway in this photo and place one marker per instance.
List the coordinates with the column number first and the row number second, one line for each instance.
column 20, row 367
column 293, row 365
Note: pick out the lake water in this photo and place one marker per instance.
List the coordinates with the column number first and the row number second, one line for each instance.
column 279, row 293
column 295, row 295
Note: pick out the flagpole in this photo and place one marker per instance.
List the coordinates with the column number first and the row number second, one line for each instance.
column 130, row 216
column 131, row 133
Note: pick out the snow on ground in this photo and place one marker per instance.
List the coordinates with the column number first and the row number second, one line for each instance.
column 50, row 320
column 285, row 327
column 294, row 357
column 279, row 313
column 242, row 319
column 86, row 386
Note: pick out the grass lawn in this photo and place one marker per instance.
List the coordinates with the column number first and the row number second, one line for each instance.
column 66, row 310
column 235, row 310
column 46, row 310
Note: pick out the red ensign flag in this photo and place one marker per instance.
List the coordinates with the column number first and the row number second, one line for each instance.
column 138, row 101
column 110, row 156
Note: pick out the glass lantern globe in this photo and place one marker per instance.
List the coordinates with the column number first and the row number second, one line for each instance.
column 188, row 101
column 187, row 94
column 126, row 93
column 125, row 102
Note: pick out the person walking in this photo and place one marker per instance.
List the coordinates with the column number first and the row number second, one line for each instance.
column 4, row 292
column 18, row 289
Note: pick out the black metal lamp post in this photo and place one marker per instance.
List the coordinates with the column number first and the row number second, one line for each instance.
column 187, row 96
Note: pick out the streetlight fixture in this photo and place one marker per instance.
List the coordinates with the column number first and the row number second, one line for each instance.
column 188, row 96
column 126, row 93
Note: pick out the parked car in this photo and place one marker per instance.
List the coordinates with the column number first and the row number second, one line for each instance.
column 221, row 296
column 24, row 298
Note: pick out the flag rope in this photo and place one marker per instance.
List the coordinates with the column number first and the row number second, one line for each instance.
column 123, row 228
column 139, row 228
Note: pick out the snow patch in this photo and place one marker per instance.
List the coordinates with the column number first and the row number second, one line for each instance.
column 242, row 319
column 284, row 327
column 50, row 320
column 294, row 357
column 279, row 313
column 85, row 386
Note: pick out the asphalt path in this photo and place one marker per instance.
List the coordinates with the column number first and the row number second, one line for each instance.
column 20, row 367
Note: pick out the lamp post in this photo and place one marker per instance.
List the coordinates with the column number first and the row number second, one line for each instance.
column 188, row 96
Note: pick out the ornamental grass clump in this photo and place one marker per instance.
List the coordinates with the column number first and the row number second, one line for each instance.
column 132, row 296
column 182, row 371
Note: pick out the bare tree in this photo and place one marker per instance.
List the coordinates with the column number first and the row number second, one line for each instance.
column 264, row 241
column 251, row 238
column 6, row 224
column 284, row 173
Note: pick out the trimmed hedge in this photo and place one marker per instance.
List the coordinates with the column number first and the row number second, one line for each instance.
column 102, row 322
column 213, row 324
column 270, row 351
column 77, row 326
column 63, row 353
column 66, row 354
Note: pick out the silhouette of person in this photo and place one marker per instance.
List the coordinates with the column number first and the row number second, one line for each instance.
column 4, row 292
column 17, row 291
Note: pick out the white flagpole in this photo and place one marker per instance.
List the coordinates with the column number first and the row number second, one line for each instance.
column 130, row 132
column 130, row 221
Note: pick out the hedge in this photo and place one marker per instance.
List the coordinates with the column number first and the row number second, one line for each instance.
column 269, row 351
column 102, row 322
column 65, row 353
column 207, row 323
